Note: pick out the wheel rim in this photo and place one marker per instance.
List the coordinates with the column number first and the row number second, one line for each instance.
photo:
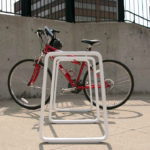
column 24, row 95
column 119, row 81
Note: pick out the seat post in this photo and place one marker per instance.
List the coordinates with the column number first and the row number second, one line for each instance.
column 89, row 47
column 90, row 43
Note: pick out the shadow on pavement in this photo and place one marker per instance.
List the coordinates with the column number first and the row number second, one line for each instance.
column 10, row 108
column 124, row 114
column 69, row 146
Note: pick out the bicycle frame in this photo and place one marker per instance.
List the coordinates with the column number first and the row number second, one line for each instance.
column 66, row 74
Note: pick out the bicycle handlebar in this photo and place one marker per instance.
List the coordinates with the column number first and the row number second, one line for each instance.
column 49, row 32
column 48, row 36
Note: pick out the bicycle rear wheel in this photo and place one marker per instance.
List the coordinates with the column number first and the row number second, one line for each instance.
column 119, row 84
column 27, row 96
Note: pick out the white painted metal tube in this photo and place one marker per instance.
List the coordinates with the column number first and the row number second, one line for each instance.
column 54, row 80
column 64, row 58
column 74, row 140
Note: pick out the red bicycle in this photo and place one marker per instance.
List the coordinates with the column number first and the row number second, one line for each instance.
column 25, row 77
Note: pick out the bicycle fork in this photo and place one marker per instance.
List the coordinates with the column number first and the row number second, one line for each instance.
column 35, row 74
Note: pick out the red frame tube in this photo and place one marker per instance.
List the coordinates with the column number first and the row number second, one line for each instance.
column 37, row 68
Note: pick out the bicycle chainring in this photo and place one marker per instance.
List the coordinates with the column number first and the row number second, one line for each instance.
column 76, row 91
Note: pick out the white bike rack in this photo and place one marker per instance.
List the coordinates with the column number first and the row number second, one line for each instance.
column 66, row 58
column 70, row 56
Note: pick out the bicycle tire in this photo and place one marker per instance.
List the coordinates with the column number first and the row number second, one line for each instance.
column 114, row 94
column 26, row 96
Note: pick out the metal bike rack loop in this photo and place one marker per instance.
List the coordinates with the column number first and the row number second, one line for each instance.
column 53, row 92
column 80, row 56
column 66, row 58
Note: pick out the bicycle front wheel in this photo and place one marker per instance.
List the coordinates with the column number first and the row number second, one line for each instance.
column 27, row 96
column 119, row 84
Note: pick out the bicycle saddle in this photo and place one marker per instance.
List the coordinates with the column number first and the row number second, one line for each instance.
column 91, row 42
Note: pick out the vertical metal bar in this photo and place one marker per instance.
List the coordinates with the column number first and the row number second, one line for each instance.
column 147, row 12
column 87, row 11
column 113, row 15
column 91, row 10
column 55, row 8
column 10, row 6
column 48, row 7
column 143, row 13
column 58, row 9
column 61, row 9
column 40, row 9
column 116, row 5
column 1, row 5
column 138, row 12
column 26, row 7
column 134, row 10
column 108, row 11
column 52, row 9
column 56, row 13
column 44, row 9
column 124, row 9
column 31, row 7
column 99, row 11
column 82, row 9
column 130, row 10
column 36, row 9
column 117, row 9
column 85, row 8
column 64, row 8
column 95, row 11
column 104, row 11
column 20, row 9
column 6, row 6
column 14, row 3
column 77, row 9
column 121, row 10
column 70, row 11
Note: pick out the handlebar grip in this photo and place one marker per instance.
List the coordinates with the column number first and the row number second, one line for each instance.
column 56, row 31
column 39, row 31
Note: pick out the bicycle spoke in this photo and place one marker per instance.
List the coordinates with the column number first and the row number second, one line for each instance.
column 122, row 82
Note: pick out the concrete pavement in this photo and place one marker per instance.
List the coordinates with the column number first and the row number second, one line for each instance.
column 129, row 127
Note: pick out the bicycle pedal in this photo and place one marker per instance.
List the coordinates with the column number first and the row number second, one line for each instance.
column 98, row 71
column 24, row 100
column 68, row 90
